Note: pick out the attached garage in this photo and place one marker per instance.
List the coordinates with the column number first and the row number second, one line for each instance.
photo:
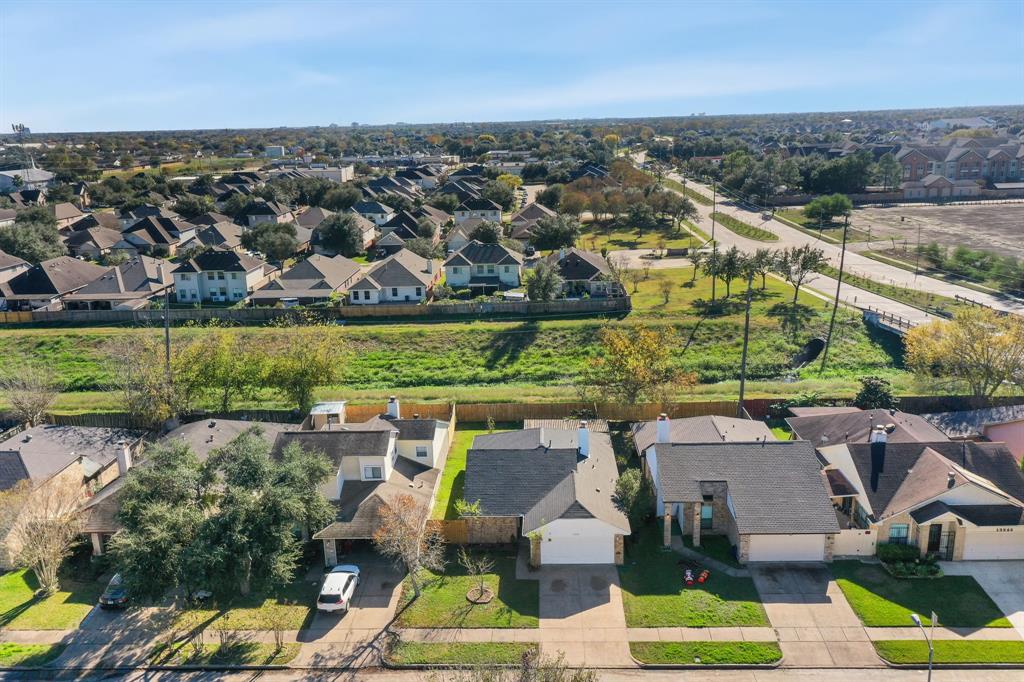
column 578, row 541
column 810, row 547
column 994, row 543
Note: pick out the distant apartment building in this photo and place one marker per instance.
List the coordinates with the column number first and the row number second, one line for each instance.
column 960, row 168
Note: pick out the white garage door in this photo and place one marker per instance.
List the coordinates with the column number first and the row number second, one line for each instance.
column 786, row 548
column 1006, row 543
column 577, row 542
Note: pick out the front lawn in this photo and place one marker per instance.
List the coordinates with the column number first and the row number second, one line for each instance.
column 459, row 653
column 232, row 653
column 443, row 600
column 653, row 593
column 706, row 653
column 291, row 606
column 881, row 600
column 453, row 478
column 20, row 609
column 28, row 655
column 716, row 547
column 911, row 651
column 614, row 237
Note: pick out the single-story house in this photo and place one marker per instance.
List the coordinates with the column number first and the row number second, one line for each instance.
column 553, row 486
column 7, row 216
column 92, row 242
column 210, row 218
column 402, row 277
column 389, row 244
column 11, row 267
column 158, row 235
column 128, row 286
column 106, row 219
column 30, row 178
column 24, row 198
column 129, row 218
column 527, row 218
column 768, row 498
column 368, row 229
column 478, row 208
column 65, row 214
column 220, row 276
column 435, row 215
column 311, row 218
column 461, row 234
column 1002, row 424
column 45, row 284
column 313, row 280
column 486, row 267
column 704, row 429
column 960, row 500
column 584, row 272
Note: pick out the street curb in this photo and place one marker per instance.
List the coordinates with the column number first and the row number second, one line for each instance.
column 954, row 666
column 702, row 666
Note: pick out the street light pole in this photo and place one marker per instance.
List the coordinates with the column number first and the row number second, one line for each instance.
column 928, row 640
column 714, row 244
column 746, row 339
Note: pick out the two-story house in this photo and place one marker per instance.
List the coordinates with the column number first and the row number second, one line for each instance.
column 268, row 212
column 484, row 267
column 374, row 211
column 478, row 208
column 402, row 277
column 220, row 277
column 154, row 235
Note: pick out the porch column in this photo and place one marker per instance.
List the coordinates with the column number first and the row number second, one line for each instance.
column 330, row 553
column 667, row 536
column 696, row 524
column 97, row 544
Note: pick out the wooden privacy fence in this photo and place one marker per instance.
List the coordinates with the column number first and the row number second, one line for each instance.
column 591, row 306
column 455, row 531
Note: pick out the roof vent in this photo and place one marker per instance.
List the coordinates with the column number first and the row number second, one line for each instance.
column 951, row 480
column 28, row 438
column 212, row 424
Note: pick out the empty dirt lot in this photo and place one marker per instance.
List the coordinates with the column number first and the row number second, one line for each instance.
column 992, row 227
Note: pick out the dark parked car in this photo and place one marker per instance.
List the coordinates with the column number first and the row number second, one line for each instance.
column 115, row 596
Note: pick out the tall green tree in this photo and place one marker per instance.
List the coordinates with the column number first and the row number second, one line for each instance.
column 277, row 241
column 341, row 233
column 543, row 283
column 555, row 232
column 796, row 263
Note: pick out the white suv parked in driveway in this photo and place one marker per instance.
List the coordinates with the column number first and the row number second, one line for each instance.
column 338, row 588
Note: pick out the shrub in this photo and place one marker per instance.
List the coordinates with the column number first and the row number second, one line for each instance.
column 889, row 552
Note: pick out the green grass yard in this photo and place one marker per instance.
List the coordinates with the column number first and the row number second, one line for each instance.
column 716, row 547
column 21, row 610
column 443, row 600
column 881, row 600
column 453, row 477
column 28, row 655
column 653, row 593
column 293, row 605
column 610, row 236
column 915, row 651
column 743, row 229
column 233, row 653
column 706, row 653
column 458, row 653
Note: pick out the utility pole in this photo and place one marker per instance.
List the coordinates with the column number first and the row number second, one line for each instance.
column 714, row 244
column 167, row 324
column 835, row 306
column 746, row 339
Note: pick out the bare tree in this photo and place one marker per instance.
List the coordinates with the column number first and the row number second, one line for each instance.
column 45, row 525
column 139, row 375
column 635, row 277
column 405, row 536
column 29, row 393
column 478, row 566
column 665, row 286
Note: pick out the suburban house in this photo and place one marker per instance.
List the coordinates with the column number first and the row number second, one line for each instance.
column 402, row 277
column 311, row 218
column 486, row 267
column 768, row 498
column 461, row 234
column 961, row 500
column 584, row 272
column 220, row 277
column 202, row 437
column 128, row 286
column 158, row 235
column 92, row 242
column 527, row 218
column 24, row 178
column 7, row 216
column 313, row 280
column 406, row 225
column 375, row 462
column 45, row 284
column 210, row 218
column 226, row 236
column 374, row 211
column 263, row 211
column 1002, row 424
column 105, row 219
column 435, row 215
column 425, row 177
column 11, row 267
column 553, row 486
column 825, row 426
column 705, row 429
column 65, row 214
column 368, row 228
column 89, row 457
column 478, row 208
column 389, row 244
column 383, row 186
column 28, row 197
column 129, row 218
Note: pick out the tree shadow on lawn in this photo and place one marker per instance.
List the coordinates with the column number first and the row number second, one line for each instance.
column 71, row 592
column 509, row 346
column 792, row 318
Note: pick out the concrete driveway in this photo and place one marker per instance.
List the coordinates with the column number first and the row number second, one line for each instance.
column 1002, row 580
column 813, row 621
column 581, row 615
column 373, row 605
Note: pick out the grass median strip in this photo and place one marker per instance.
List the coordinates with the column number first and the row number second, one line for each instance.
column 910, row 651
column 688, row 192
column 881, row 600
column 743, row 229
column 459, row 653
column 28, row 655
column 235, row 653
column 912, row 297
column 706, row 653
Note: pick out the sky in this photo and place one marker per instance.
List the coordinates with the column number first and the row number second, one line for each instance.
column 152, row 65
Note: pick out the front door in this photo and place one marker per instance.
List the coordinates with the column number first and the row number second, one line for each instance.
column 934, row 537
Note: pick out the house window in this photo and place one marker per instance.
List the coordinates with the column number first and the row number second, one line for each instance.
column 707, row 515
column 419, row 291
column 373, row 473
column 480, row 269
column 234, row 275
column 210, row 276
column 455, row 271
column 220, row 275
column 185, row 278
column 421, row 450
column 490, row 269
column 394, row 291
column 899, row 533
column 507, row 269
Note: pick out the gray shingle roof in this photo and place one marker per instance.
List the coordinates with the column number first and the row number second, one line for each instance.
column 775, row 488
column 705, row 429
column 478, row 253
column 337, row 443
column 855, row 427
column 46, row 450
column 968, row 423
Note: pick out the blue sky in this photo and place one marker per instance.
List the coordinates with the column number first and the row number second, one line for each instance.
column 72, row 66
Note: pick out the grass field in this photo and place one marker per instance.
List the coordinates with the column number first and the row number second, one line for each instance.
column 831, row 232
column 28, row 655
column 443, row 601
column 653, row 593
column 608, row 235
column 743, row 229
column 706, row 653
column 21, row 610
column 292, row 605
column 914, row 651
column 458, row 653
column 881, row 600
